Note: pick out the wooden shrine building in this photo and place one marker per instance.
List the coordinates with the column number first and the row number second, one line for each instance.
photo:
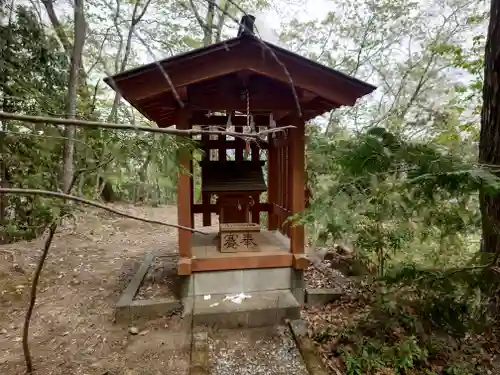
column 246, row 84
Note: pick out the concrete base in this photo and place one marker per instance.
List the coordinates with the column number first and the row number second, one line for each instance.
column 128, row 309
column 242, row 281
column 321, row 296
column 275, row 294
column 260, row 309
column 310, row 355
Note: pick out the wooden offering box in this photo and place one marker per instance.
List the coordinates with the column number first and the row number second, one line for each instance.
column 233, row 208
column 238, row 237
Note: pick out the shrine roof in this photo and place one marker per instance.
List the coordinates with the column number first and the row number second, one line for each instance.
column 213, row 78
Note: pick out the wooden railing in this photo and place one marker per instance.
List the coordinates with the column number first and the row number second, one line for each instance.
column 279, row 183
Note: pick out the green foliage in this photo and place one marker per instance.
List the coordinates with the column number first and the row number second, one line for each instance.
column 33, row 75
column 139, row 167
column 402, row 356
column 381, row 193
column 391, row 198
column 422, row 319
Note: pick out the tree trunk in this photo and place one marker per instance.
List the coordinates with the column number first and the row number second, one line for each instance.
column 489, row 142
column 222, row 21
column 142, row 194
column 68, row 167
column 7, row 94
column 63, row 38
column 76, row 59
column 209, row 22
column 106, row 191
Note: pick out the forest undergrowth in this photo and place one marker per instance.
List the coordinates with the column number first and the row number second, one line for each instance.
column 426, row 302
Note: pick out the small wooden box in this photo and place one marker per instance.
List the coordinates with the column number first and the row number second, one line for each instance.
column 233, row 207
column 237, row 237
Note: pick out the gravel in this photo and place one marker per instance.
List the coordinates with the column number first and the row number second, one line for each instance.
column 255, row 351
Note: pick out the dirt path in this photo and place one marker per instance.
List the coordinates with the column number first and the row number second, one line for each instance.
column 89, row 265
column 73, row 332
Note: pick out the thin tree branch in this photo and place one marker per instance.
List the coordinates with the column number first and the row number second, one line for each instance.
column 49, row 7
column 220, row 22
column 99, row 54
column 94, row 98
column 120, row 67
column 200, row 20
column 157, row 63
column 93, row 204
column 41, row 136
column 110, row 125
column 143, row 11
column 31, row 306
column 79, row 172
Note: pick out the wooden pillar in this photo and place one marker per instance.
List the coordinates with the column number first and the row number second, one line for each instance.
column 272, row 183
column 296, row 164
column 255, row 157
column 281, row 192
column 205, row 197
column 184, row 203
column 191, row 189
column 288, row 185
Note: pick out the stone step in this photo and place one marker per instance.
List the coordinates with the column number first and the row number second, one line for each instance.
column 256, row 310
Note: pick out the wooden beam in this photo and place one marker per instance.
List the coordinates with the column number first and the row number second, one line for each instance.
column 272, row 183
column 264, row 94
column 279, row 181
column 280, row 210
column 243, row 261
column 241, row 57
column 183, row 93
column 200, row 118
column 261, row 103
column 303, row 76
column 191, row 189
column 197, row 69
column 280, row 142
column 288, row 182
column 184, row 195
column 297, row 183
column 212, row 208
column 184, row 266
column 300, row 261
column 306, row 97
column 228, row 144
column 205, row 197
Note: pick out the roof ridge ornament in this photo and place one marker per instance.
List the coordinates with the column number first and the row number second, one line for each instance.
column 246, row 25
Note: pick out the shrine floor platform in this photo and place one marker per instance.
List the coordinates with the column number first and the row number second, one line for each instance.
column 273, row 250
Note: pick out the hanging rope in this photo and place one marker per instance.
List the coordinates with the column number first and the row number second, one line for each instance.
column 247, row 146
column 248, row 107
